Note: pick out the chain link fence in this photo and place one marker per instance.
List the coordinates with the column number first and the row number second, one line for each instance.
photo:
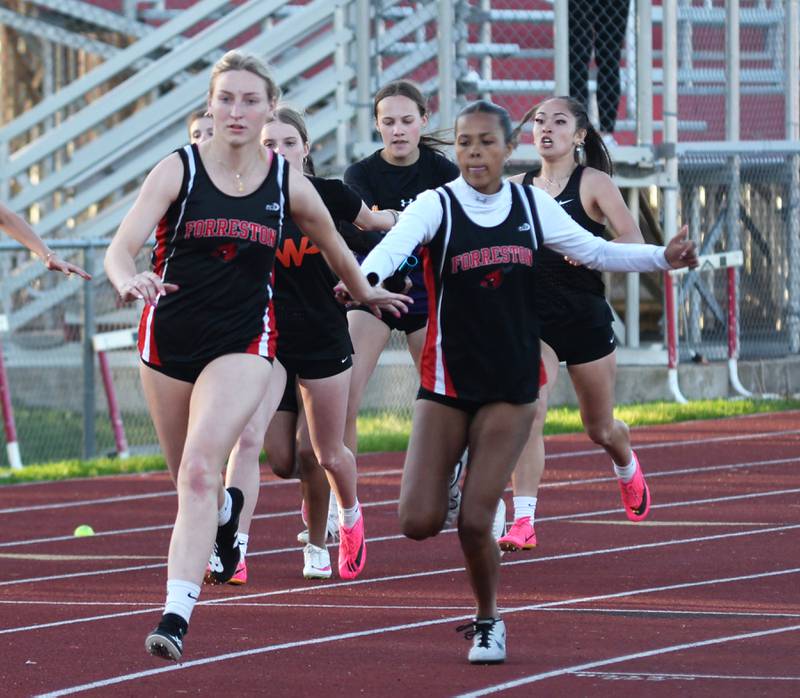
column 58, row 396
column 506, row 50
column 741, row 202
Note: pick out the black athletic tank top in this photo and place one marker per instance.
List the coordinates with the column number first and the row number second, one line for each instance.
column 567, row 294
column 482, row 341
column 219, row 249
column 311, row 324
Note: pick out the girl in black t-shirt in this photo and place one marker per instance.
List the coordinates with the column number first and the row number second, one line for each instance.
column 574, row 316
column 314, row 347
column 392, row 177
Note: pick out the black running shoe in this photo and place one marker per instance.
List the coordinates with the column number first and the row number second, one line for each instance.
column 225, row 556
column 166, row 641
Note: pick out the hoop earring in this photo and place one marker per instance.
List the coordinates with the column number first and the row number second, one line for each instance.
column 580, row 154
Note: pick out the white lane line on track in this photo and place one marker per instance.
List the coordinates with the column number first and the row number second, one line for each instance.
column 382, row 473
column 497, row 688
column 88, row 502
column 670, row 505
column 439, row 621
column 168, row 527
column 431, row 573
column 380, row 539
column 589, row 452
column 390, row 502
column 644, row 524
column 680, row 442
column 49, row 557
column 27, row 602
column 623, row 611
column 658, row 677
column 672, row 612
column 155, row 495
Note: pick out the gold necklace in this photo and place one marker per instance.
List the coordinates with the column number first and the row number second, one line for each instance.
column 239, row 176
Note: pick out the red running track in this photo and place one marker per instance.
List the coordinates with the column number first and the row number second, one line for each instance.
column 701, row 599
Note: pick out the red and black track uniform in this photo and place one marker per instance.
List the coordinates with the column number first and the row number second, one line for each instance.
column 482, row 341
column 219, row 250
column 480, row 263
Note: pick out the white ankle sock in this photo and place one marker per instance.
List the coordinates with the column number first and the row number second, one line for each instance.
column 333, row 506
column 626, row 474
column 181, row 598
column 243, row 539
column 224, row 514
column 524, row 506
column 348, row 517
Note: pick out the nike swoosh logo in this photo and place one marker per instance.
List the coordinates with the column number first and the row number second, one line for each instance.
column 353, row 566
column 192, row 596
column 565, row 202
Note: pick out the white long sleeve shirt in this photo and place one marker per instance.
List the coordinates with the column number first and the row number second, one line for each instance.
column 419, row 222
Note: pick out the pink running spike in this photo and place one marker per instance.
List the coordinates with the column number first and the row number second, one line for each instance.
column 635, row 495
column 520, row 536
column 352, row 549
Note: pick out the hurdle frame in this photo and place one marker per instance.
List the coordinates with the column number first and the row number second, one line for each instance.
column 102, row 343
column 730, row 262
column 9, row 425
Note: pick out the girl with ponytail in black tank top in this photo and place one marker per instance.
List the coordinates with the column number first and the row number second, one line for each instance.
column 207, row 336
column 480, row 371
column 575, row 319
column 315, row 350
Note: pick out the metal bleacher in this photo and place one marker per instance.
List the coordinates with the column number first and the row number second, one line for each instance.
column 71, row 161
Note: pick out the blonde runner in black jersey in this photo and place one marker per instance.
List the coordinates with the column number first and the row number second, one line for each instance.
column 223, row 267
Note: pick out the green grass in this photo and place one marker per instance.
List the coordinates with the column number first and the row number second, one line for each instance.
column 565, row 420
column 378, row 431
column 67, row 469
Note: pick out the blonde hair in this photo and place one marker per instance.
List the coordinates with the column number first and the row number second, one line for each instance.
column 238, row 60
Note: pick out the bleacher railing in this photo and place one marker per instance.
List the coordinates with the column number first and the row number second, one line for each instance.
column 708, row 125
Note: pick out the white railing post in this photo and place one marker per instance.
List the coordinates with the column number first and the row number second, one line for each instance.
column 632, row 285
column 792, row 68
column 644, row 73
column 485, row 37
column 342, row 87
column 363, row 77
column 447, row 83
column 732, row 134
column 670, row 184
column 561, row 46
